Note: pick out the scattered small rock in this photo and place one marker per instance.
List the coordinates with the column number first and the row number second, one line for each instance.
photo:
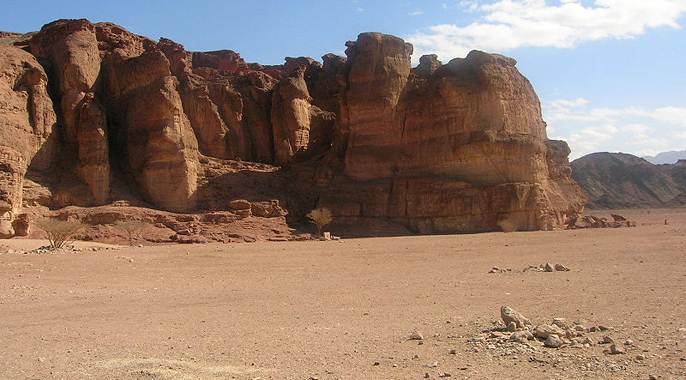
column 560, row 322
column 510, row 315
column 553, row 341
column 500, row 270
column 561, row 268
column 548, row 268
column 543, row 331
column 520, row 337
column 444, row 374
column 417, row 336
column 616, row 349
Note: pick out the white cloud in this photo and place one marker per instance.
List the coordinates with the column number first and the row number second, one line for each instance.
column 415, row 13
column 510, row 24
column 590, row 138
column 633, row 130
column 640, row 131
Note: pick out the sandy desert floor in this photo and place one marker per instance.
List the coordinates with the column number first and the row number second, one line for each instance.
column 346, row 309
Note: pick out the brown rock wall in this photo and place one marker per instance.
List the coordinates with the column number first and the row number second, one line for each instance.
column 69, row 50
column 456, row 147
column 27, row 120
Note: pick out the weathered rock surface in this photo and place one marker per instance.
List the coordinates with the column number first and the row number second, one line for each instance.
column 459, row 147
column 509, row 315
column 68, row 49
column 26, row 128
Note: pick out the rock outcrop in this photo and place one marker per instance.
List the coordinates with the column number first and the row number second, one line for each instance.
column 26, row 129
column 459, row 147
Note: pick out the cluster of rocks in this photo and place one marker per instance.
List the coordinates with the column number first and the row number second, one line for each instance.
column 558, row 333
column 500, row 270
column 547, row 267
column 267, row 209
column 590, row 221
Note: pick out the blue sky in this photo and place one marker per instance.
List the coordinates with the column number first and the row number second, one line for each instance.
column 610, row 73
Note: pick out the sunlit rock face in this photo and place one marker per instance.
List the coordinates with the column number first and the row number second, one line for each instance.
column 93, row 111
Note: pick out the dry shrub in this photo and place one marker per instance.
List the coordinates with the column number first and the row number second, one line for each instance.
column 132, row 228
column 320, row 217
column 59, row 232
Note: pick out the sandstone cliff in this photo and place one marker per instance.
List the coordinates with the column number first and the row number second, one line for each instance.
column 93, row 114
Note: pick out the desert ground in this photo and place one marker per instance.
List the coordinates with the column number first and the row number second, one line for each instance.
column 347, row 309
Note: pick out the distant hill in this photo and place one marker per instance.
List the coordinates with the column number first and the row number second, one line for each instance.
column 667, row 157
column 619, row 180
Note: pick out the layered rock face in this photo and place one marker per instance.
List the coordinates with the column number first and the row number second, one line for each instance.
column 446, row 148
column 102, row 112
column 26, row 129
column 69, row 52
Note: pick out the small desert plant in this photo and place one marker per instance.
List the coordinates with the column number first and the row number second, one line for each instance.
column 132, row 228
column 320, row 217
column 59, row 232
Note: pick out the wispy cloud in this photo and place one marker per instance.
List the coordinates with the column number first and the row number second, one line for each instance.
column 510, row 24
column 636, row 130
column 415, row 13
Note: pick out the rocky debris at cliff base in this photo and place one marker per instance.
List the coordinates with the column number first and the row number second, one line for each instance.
column 49, row 250
column 590, row 221
column 161, row 227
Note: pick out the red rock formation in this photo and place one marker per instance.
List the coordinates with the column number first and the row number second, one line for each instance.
column 69, row 51
column 459, row 147
column 297, row 124
column 26, row 124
